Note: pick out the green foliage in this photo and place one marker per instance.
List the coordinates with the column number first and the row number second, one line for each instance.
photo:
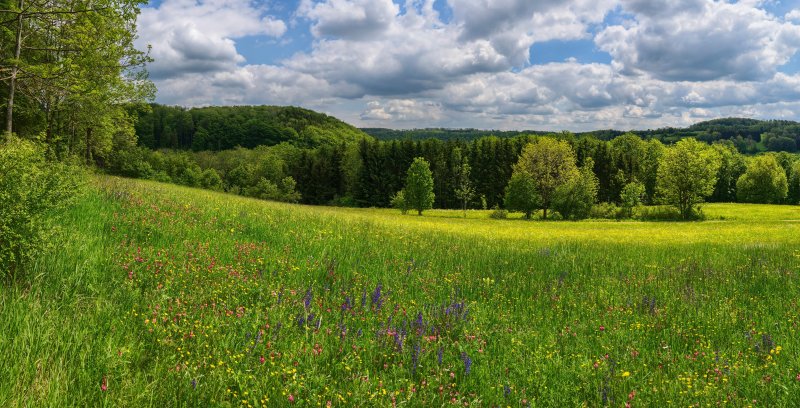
column 551, row 164
column 631, row 197
column 464, row 189
column 521, row 194
column 226, row 127
column 764, row 182
column 499, row 213
column 399, row 202
column 211, row 180
column 793, row 196
column 732, row 166
column 687, row 174
column 575, row 198
column 31, row 188
column 605, row 210
column 419, row 186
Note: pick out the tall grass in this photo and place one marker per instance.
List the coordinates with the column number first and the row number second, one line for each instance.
column 161, row 295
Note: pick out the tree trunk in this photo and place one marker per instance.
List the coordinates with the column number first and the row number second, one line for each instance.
column 544, row 214
column 12, row 84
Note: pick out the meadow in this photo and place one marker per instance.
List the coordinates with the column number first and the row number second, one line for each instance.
column 158, row 295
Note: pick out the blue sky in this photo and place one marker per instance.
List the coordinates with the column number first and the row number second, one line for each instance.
column 490, row 64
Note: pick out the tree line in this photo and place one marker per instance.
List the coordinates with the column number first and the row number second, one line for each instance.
column 750, row 136
column 486, row 173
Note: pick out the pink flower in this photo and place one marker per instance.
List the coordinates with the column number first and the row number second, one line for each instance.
column 104, row 384
column 261, row 359
column 291, row 398
column 602, row 328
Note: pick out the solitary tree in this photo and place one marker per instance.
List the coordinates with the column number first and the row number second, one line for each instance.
column 763, row 182
column 419, row 186
column 521, row 194
column 687, row 173
column 464, row 190
column 550, row 163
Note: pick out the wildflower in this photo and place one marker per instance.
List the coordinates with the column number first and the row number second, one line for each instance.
column 104, row 384
column 291, row 398
column 194, row 382
column 376, row 297
column 602, row 328
column 626, row 374
column 467, row 363
column 506, row 391
column 440, row 354
column 307, row 298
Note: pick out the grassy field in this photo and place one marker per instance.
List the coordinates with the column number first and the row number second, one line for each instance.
column 157, row 295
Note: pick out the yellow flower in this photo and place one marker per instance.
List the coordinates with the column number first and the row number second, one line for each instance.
column 626, row 374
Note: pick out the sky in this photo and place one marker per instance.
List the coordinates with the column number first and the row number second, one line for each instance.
column 486, row 64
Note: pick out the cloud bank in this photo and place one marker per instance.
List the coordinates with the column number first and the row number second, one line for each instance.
column 467, row 63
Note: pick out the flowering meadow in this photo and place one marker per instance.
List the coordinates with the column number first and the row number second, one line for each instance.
column 160, row 295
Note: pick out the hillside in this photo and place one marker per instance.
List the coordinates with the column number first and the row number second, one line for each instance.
column 225, row 127
column 157, row 295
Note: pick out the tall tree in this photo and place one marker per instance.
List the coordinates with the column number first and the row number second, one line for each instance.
column 464, row 191
column 551, row 164
column 687, row 173
column 419, row 186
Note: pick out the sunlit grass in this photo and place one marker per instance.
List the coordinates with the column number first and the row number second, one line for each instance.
column 173, row 296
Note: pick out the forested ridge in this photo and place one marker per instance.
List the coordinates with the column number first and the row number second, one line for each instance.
column 226, row 127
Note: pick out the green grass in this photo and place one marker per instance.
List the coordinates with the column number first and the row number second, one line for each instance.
column 182, row 297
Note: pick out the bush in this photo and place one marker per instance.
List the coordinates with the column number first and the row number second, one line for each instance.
column 605, row 211
column 399, row 202
column 666, row 213
column 30, row 189
column 498, row 213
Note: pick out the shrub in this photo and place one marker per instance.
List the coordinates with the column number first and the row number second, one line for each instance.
column 31, row 188
column 498, row 213
column 605, row 211
column 631, row 197
column 399, row 202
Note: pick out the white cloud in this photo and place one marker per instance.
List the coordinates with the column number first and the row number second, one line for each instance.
column 377, row 63
column 196, row 37
column 700, row 40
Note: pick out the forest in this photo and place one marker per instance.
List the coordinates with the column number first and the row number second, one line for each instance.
column 354, row 169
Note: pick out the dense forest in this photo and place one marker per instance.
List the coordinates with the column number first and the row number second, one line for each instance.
column 220, row 128
column 748, row 135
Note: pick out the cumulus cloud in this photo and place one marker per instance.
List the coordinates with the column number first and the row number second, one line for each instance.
column 198, row 37
column 401, row 110
column 381, row 63
column 700, row 40
column 349, row 19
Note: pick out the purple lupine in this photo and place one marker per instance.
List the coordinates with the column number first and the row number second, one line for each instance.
column 307, row 298
column 506, row 391
column 364, row 299
column 467, row 363
column 418, row 322
column 376, row 297
column 439, row 355
column 348, row 304
column 194, row 383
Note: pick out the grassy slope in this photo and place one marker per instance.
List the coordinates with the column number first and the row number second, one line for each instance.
column 219, row 274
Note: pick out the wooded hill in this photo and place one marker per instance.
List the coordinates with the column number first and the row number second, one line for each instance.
column 226, row 127
column 748, row 135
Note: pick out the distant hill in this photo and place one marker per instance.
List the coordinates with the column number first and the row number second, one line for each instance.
column 749, row 135
column 225, row 127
